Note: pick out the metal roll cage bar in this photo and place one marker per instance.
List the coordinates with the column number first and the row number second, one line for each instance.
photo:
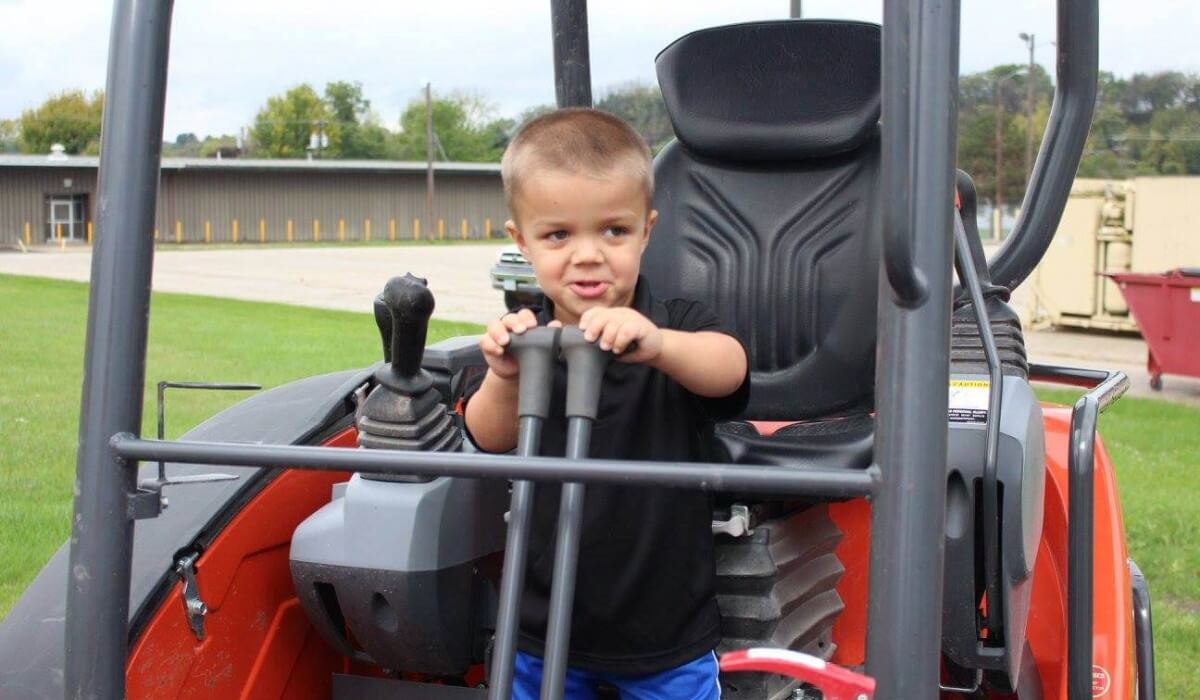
column 920, row 87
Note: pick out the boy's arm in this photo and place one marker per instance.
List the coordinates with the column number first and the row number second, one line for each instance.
column 491, row 414
column 706, row 363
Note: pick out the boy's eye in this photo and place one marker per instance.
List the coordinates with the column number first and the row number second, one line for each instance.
column 615, row 231
column 558, row 235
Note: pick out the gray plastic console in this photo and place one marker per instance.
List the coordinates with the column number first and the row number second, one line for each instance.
column 404, row 574
column 1021, row 479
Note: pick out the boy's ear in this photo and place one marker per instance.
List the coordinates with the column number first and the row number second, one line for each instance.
column 510, row 227
column 651, row 220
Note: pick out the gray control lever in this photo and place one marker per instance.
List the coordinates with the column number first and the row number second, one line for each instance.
column 536, row 351
column 585, row 371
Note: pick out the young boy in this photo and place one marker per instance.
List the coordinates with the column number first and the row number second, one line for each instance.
column 579, row 185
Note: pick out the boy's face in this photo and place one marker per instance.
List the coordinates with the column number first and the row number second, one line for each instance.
column 584, row 237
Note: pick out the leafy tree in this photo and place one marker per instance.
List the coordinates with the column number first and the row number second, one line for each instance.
column 458, row 128
column 284, row 127
column 638, row 103
column 71, row 118
column 642, row 106
column 10, row 133
column 359, row 133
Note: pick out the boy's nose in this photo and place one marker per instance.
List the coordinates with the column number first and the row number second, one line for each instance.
column 586, row 251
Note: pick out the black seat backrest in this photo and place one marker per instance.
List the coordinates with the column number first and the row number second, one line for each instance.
column 768, row 207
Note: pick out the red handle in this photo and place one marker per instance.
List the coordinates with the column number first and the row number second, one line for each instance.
column 835, row 682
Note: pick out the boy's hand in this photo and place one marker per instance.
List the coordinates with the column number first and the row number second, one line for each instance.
column 618, row 329
column 494, row 342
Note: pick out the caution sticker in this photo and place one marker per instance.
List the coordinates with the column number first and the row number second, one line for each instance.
column 969, row 400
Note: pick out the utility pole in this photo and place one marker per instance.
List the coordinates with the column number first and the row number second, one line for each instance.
column 796, row 12
column 1029, row 39
column 998, row 198
column 428, row 161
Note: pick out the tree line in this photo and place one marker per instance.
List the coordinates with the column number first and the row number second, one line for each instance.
column 1147, row 124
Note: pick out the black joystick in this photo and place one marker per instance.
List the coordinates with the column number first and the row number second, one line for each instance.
column 405, row 411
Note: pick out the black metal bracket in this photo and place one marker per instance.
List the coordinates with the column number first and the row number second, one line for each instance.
column 149, row 501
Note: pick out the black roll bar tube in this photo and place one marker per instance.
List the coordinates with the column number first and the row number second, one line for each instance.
column 97, row 620
column 572, row 59
column 796, row 480
column 1108, row 386
column 907, row 282
column 1143, row 629
column 968, row 275
column 1077, row 62
column 920, row 39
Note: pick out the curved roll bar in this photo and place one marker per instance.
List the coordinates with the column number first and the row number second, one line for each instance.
column 1062, row 145
column 1078, row 29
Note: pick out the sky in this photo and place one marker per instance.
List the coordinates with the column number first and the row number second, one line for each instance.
column 228, row 56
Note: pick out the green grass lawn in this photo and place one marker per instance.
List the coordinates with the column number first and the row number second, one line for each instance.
column 42, row 325
column 1154, row 444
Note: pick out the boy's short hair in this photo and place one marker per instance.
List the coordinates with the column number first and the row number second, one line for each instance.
column 575, row 140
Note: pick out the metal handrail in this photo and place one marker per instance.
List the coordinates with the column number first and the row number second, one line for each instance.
column 1107, row 387
column 792, row 480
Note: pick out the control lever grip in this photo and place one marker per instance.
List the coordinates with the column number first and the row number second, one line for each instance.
column 402, row 312
column 535, row 351
column 585, row 370
column 834, row 682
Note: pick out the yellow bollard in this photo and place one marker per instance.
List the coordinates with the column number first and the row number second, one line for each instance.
column 416, row 229
column 29, row 234
column 316, row 230
column 441, row 230
column 235, row 231
column 391, row 229
column 367, row 229
column 89, row 233
column 289, row 231
column 58, row 232
column 464, row 229
column 207, row 232
column 487, row 228
column 178, row 231
column 262, row 230
column 341, row 229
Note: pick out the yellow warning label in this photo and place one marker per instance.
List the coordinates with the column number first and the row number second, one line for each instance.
column 970, row 383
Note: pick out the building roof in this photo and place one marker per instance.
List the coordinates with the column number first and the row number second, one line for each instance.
column 376, row 166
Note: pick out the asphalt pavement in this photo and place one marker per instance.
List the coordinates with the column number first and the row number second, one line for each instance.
column 349, row 277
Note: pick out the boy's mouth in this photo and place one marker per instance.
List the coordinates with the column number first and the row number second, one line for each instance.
column 589, row 289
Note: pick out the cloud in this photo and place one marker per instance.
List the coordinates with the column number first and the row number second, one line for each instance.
column 228, row 56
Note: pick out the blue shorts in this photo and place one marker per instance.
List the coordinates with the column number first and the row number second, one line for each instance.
column 695, row 680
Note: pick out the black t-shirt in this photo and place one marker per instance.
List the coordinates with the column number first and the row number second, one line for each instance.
column 645, row 589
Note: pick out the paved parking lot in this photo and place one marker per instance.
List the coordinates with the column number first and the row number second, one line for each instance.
column 348, row 278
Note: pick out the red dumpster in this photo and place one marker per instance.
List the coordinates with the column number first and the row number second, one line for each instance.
column 1167, row 310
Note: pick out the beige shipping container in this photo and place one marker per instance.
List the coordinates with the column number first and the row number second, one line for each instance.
column 1165, row 220
column 1148, row 224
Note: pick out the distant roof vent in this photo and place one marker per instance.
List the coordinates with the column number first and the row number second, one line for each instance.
column 57, row 152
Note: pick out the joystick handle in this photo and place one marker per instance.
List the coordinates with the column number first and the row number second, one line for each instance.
column 402, row 312
column 585, row 372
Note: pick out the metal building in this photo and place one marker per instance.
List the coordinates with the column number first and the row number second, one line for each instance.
column 48, row 198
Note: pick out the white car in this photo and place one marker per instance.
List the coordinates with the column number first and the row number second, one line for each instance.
column 515, row 276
